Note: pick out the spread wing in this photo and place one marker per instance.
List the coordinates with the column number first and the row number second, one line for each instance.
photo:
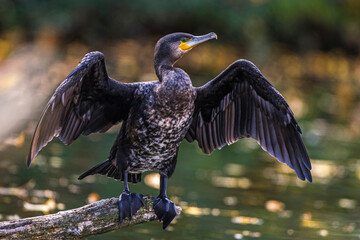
column 240, row 103
column 87, row 101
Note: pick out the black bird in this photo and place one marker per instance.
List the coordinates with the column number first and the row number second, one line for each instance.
column 158, row 115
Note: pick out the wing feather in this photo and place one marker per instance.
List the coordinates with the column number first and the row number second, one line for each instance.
column 240, row 103
column 87, row 101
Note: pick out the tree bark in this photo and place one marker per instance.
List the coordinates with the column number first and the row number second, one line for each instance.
column 95, row 218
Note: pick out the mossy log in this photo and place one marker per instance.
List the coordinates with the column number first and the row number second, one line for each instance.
column 95, row 218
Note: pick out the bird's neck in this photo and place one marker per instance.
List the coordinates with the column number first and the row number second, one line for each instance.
column 161, row 71
column 162, row 65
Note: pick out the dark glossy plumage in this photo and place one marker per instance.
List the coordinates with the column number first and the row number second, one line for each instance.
column 158, row 115
column 240, row 103
column 87, row 101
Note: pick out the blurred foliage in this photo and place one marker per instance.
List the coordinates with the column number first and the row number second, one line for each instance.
column 309, row 49
column 300, row 24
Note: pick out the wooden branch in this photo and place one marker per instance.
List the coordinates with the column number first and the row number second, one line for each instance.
column 95, row 218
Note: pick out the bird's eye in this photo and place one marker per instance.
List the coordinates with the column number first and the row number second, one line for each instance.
column 183, row 40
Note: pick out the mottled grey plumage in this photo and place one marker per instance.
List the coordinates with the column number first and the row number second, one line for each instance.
column 158, row 115
column 156, row 131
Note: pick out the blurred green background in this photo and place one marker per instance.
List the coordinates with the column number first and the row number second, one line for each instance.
column 309, row 50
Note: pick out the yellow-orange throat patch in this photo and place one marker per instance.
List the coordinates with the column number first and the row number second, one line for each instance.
column 183, row 46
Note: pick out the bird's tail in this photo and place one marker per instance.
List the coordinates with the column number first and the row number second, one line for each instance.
column 104, row 168
column 108, row 169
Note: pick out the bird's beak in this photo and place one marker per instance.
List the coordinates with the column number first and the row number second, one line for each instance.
column 192, row 42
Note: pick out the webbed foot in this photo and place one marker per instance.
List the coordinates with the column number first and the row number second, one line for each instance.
column 165, row 210
column 129, row 204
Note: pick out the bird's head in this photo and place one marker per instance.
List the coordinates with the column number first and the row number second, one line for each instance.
column 172, row 47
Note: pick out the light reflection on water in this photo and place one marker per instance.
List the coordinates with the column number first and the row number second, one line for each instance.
column 222, row 194
column 232, row 194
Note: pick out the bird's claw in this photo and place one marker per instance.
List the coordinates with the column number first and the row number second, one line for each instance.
column 165, row 210
column 129, row 204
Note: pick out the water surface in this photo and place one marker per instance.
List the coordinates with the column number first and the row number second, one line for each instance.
column 239, row 192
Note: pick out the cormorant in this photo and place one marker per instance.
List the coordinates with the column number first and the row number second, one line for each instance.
column 240, row 102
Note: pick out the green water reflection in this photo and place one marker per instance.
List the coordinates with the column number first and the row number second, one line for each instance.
column 237, row 193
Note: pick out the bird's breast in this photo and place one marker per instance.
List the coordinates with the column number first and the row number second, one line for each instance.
column 158, row 126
